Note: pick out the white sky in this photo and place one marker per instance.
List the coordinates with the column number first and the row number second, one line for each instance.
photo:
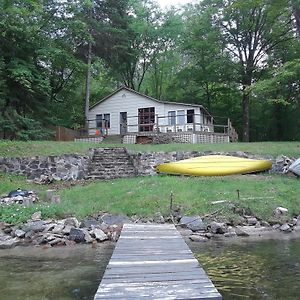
column 168, row 3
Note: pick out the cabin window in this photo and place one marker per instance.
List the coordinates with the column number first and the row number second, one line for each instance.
column 180, row 117
column 146, row 118
column 99, row 121
column 190, row 116
column 103, row 121
column 172, row 117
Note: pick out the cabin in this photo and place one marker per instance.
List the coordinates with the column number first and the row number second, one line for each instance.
column 136, row 116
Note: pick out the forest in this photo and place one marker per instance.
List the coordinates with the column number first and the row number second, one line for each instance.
column 239, row 59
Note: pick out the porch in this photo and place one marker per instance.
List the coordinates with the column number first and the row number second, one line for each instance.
column 180, row 128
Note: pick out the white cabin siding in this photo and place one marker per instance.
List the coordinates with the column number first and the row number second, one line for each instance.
column 126, row 101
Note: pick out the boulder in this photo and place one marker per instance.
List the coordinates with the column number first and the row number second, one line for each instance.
column 36, row 226
column 192, row 222
column 58, row 228
column 279, row 211
column 88, row 222
column 50, row 227
column 99, row 235
column 265, row 224
column 20, row 233
column 219, row 228
column 198, row 238
column 29, row 234
column 285, row 228
column 114, row 219
column 66, row 230
column 56, row 241
column 114, row 236
column 77, row 235
column 252, row 221
column 230, row 233
column 87, row 236
column 7, row 242
column 240, row 232
column 71, row 222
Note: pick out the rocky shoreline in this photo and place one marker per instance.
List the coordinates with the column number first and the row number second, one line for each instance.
column 107, row 227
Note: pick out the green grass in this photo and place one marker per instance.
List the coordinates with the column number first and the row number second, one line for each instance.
column 17, row 148
column 144, row 196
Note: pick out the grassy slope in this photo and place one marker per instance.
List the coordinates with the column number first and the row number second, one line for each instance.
column 8, row 148
column 144, row 196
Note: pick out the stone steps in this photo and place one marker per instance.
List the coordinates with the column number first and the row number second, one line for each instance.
column 109, row 163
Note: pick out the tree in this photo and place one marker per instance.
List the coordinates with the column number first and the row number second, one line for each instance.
column 129, row 35
column 250, row 30
column 38, row 43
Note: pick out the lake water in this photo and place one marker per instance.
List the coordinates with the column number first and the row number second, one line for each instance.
column 268, row 269
column 246, row 269
column 63, row 273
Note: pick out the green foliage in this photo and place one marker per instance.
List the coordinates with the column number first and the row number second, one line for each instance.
column 38, row 63
column 15, row 214
column 210, row 53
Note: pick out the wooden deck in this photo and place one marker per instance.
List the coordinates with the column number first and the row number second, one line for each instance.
column 154, row 262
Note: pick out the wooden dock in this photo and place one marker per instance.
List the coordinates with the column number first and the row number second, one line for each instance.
column 154, row 262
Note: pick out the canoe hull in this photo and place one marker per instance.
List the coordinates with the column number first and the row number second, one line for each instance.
column 214, row 165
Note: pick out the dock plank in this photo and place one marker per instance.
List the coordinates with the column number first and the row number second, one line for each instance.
column 154, row 262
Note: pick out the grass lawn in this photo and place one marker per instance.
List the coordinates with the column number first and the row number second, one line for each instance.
column 17, row 148
column 144, row 196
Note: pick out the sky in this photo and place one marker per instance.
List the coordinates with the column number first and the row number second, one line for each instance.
column 167, row 3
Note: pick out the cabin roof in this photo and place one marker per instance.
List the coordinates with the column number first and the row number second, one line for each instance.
column 151, row 98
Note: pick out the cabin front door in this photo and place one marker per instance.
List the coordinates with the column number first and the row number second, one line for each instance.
column 123, row 123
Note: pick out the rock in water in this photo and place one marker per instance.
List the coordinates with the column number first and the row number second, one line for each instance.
column 240, row 232
column 99, row 235
column 198, row 238
column 192, row 222
column 285, row 228
column 76, row 235
column 219, row 228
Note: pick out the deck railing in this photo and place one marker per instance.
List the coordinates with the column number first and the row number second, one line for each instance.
column 170, row 124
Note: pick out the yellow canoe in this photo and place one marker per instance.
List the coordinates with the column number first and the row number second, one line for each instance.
column 214, row 165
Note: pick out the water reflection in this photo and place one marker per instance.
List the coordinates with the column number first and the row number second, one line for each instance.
column 58, row 273
column 253, row 270
column 245, row 270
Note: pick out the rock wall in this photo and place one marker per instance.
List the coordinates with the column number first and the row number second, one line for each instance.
column 145, row 162
column 74, row 166
column 64, row 167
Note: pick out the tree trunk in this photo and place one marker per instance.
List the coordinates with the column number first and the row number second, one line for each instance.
column 87, row 84
column 246, row 114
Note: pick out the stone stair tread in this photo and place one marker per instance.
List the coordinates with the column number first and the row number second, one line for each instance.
column 110, row 163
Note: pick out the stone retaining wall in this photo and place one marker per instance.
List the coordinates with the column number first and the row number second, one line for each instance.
column 64, row 167
column 74, row 166
column 145, row 162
